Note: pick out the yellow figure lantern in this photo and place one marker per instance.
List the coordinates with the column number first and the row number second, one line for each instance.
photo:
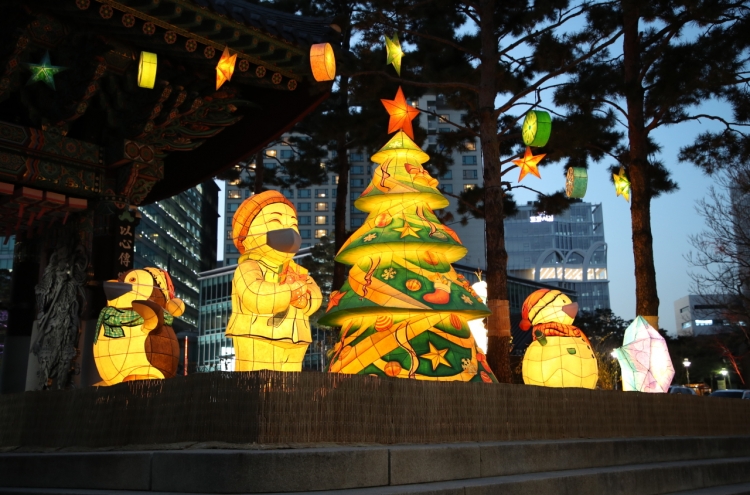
column 272, row 297
column 322, row 62
column 147, row 70
column 404, row 311
column 561, row 355
column 225, row 67
column 135, row 339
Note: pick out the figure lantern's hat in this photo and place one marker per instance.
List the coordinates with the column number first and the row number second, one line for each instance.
column 248, row 210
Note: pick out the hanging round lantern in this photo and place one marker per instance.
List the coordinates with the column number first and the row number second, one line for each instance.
column 322, row 62
column 536, row 129
column 147, row 70
column 576, row 182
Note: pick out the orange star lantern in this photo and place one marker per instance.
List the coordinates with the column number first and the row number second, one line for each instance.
column 401, row 114
column 528, row 164
column 225, row 67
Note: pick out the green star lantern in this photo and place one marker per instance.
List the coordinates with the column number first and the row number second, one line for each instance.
column 536, row 128
column 44, row 71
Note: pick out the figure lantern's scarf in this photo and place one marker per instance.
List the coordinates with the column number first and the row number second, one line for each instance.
column 404, row 311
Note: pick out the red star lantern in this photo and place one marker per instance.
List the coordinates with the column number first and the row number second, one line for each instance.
column 401, row 114
column 528, row 164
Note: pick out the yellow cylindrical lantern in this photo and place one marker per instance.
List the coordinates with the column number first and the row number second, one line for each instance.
column 322, row 62
column 147, row 70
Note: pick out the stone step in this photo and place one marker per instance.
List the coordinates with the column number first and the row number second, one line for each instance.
column 637, row 479
column 739, row 489
column 530, row 467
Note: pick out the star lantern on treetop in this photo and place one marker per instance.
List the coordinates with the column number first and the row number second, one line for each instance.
column 394, row 52
column 622, row 184
column 401, row 114
column 528, row 164
column 225, row 67
column 44, row 71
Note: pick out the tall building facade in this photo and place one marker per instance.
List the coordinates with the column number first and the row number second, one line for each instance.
column 566, row 250
column 179, row 235
column 704, row 315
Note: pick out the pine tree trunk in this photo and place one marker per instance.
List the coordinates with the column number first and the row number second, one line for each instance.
column 498, row 324
column 259, row 170
column 646, row 297
column 339, row 269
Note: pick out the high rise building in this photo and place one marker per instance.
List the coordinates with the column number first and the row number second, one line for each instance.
column 179, row 235
column 566, row 250
column 704, row 315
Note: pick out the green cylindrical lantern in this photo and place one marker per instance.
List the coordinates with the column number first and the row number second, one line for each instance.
column 536, row 128
column 576, row 182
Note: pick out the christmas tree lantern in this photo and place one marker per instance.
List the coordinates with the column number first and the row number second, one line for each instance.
column 560, row 355
column 478, row 330
column 225, row 67
column 536, row 128
column 404, row 311
column 644, row 359
column 576, row 182
column 135, row 339
column 272, row 296
column 147, row 70
column 323, row 62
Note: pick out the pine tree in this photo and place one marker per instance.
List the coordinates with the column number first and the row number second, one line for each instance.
column 403, row 311
column 675, row 56
column 490, row 58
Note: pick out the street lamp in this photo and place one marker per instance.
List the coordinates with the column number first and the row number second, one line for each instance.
column 686, row 363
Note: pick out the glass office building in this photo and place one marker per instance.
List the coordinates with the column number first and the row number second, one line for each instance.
column 565, row 251
column 179, row 235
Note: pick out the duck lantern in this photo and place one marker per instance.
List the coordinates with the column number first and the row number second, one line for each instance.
column 560, row 355
column 135, row 339
column 272, row 296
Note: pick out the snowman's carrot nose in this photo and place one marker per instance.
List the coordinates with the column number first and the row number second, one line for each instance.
column 571, row 309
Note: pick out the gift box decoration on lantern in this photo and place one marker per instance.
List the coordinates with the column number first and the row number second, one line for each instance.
column 404, row 311
column 272, row 296
column 644, row 359
column 135, row 339
column 560, row 355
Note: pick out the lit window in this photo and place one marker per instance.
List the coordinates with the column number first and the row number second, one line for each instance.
column 322, row 193
column 234, row 194
column 470, row 145
column 321, row 206
column 470, row 174
column 270, row 152
column 320, row 233
column 703, row 323
column 687, row 324
column 335, row 179
column 573, row 274
column 322, row 165
column 550, row 273
column 321, row 220
column 469, row 160
column 444, row 118
column 596, row 274
column 469, row 187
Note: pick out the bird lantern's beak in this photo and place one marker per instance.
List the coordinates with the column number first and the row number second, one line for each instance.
column 571, row 309
column 113, row 289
